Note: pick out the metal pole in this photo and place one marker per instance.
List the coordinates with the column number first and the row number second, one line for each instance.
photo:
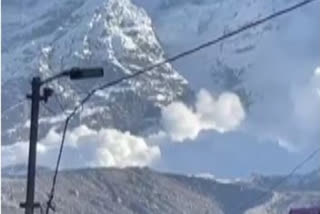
column 35, row 99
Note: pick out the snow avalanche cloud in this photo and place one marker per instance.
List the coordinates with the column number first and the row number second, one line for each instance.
column 222, row 114
column 86, row 148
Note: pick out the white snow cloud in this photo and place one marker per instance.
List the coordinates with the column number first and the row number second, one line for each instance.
column 180, row 122
column 222, row 114
column 306, row 107
column 316, row 80
column 87, row 148
column 291, row 120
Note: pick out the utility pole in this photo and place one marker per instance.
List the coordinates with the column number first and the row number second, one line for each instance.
column 36, row 98
column 35, row 102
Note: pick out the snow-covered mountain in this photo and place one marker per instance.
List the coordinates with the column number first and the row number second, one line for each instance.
column 141, row 190
column 43, row 38
column 182, row 24
column 49, row 36
column 270, row 66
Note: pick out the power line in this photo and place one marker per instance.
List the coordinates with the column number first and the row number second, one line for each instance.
column 59, row 102
column 54, row 180
column 281, row 181
column 138, row 73
column 12, row 107
column 50, row 110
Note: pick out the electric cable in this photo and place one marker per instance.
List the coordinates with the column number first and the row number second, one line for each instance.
column 138, row 73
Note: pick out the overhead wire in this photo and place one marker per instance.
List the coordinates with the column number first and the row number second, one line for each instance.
column 281, row 181
column 149, row 68
column 61, row 106
column 12, row 107
column 50, row 110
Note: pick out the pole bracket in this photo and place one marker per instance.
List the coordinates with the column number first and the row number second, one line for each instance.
column 47, row 92
column 35, row 205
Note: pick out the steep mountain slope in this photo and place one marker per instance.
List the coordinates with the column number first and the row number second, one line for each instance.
column 141, row 190
column 282, row 202
column 232, row 197
column 270, row 66
column 113, row 191
column 300, row 182
column 186, row 23
column 47, row 38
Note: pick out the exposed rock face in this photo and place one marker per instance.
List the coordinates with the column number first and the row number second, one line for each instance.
column 46, row 38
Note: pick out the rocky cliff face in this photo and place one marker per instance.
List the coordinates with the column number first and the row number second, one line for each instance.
column 45, row 38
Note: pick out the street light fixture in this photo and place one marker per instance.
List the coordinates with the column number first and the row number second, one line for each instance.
column 77, row 74
column 36, row 97
column 81, row 73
